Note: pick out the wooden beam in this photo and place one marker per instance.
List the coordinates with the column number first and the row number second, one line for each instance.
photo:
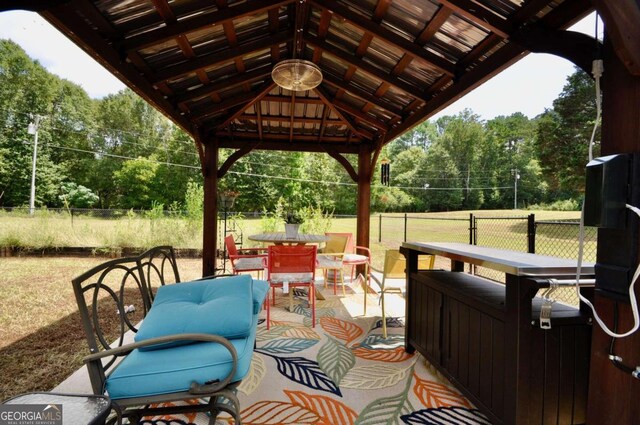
column 362, row 65
column 363, row 208
column 381, row 10
column 228, row 163
column 327, row 102
column 438, row 19
column 202, row 113
column 296, row 146
column 360, row 115
column 361, row 94
column 287, row 99
column 281, row 118
column 576, row 47
column 387, row 35
column 480, row 16
column 210, row 206
column 344, row 162
column 214, row 59
column 259, row 120
column 199, row 22
column 234, row 80
column 281, row 137
column 622, row 22
column 264, row 90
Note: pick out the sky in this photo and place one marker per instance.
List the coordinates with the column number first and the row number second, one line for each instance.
column 529, row 86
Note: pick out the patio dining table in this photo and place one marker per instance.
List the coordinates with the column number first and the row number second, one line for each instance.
column 281, row 238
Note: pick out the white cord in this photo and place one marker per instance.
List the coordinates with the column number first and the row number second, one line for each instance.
column 632, row 292
column 597, row 73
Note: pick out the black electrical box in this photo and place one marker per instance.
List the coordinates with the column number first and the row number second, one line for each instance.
column 607, row 192
column 612, row 182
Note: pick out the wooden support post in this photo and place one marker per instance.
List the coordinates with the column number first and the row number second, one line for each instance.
column 363, row 208
column 210, row 217
column 613, row 394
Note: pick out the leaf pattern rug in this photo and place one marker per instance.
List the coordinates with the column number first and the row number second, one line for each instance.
column 342, row 372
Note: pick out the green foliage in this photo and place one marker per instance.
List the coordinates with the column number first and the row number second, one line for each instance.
column 272, row 221
column 315, row 220
column 194, row 202
column 562, row 205
column 77, row 196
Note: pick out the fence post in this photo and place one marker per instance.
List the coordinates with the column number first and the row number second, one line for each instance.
column 405, row 227
column 380, row 228
column 531, row 233
column 472, row 228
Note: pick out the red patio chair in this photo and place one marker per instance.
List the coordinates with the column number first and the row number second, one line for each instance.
column 245, row 262
column 295, row 266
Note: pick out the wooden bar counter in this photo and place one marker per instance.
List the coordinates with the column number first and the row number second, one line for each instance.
column 486, row 337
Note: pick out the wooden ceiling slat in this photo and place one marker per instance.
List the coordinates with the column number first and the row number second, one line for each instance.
column 199, row 22
column 434, row 25
column 365, row 42
column 480, row 16
column 362, row 116
column 323, row 122
column 221, row 57
column 387, row 35
column 325, row 22
column 363, row 95
column 365, row 67
column 217, row 85
column 165, row 12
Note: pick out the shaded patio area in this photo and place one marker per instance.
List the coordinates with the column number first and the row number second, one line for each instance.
column 340, row 372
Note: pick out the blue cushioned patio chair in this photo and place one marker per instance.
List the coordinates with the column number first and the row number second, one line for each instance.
column 195, row 342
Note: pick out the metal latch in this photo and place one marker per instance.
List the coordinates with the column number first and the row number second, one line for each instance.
column 545, row 314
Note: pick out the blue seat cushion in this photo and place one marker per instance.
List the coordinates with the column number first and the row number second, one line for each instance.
column 147, row 373
column 222, row 306
column 260, row 289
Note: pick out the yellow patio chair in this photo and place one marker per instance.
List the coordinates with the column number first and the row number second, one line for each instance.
column 331, row 258
column 394, row 268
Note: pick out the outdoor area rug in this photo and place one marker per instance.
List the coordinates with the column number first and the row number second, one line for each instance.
column 341, row 372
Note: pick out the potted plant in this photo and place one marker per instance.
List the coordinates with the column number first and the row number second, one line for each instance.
column 292, row 224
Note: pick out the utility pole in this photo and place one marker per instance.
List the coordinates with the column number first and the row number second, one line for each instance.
column 516, row 177
column 33, row 129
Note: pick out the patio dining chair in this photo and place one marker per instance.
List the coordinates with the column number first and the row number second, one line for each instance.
column 392, row 278
column 288, row 267
column 194, row 343
column 330, row 258
column 242, row 261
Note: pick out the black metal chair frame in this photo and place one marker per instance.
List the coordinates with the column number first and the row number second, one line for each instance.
column 137, row 273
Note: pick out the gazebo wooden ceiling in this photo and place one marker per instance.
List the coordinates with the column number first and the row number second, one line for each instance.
column 387, row 64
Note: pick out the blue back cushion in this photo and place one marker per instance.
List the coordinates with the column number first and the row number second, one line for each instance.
column 222, row 306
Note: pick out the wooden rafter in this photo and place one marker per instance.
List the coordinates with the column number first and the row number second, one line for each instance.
column 263, row 91
column 224, row 83
column 387, row 35
column 243, row 136
column 259, row 119
column 325, row 99
column 491, row 66
column 363, row 95
column 242, row 99
column 438, row 19
column 200, row 21
column 362, row 116
column 622, row 19
column 362, row 65
column 222, row 57
column 480, row 16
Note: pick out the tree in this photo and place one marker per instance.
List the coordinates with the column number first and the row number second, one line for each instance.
column 77, row 196
column 134, row 181
column 563, row 134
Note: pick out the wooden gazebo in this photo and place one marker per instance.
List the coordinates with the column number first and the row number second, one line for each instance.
column 387, row 65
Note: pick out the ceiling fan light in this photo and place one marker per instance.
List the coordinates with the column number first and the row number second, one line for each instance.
column 296, row 74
